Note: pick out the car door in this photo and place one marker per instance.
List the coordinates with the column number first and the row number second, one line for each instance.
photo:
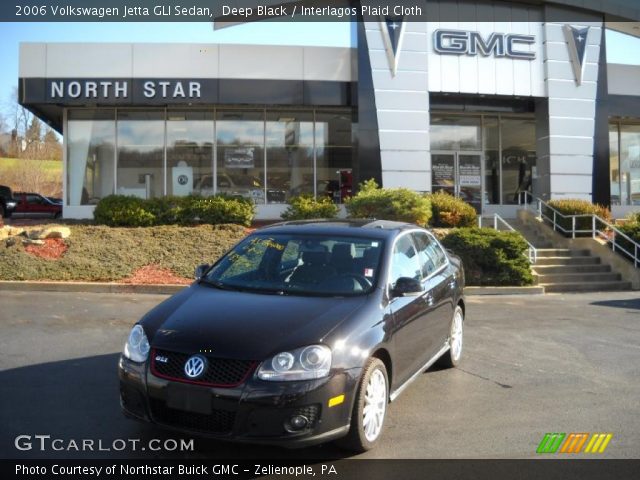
column 439, row 285
column 34, row 206
column 410, row 314
column 21, row 206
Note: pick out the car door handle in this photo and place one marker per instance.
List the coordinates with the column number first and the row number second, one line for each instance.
column 428, row 299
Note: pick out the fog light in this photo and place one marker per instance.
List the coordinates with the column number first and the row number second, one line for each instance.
column 296, row 423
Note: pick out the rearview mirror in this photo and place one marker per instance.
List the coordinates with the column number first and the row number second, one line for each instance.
column 201, row 270
column 407, row 287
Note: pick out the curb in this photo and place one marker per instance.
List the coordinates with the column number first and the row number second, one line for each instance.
column 89, row 287
column 476, row 291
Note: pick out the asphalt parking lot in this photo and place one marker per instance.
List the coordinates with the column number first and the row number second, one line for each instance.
column 533, row 364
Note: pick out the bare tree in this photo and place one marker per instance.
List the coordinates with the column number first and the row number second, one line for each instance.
column 20, row 120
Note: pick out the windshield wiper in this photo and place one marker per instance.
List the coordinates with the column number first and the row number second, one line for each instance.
column 218, row 284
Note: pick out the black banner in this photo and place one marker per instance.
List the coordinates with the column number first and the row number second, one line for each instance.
column 339, row 469
column 237, row 11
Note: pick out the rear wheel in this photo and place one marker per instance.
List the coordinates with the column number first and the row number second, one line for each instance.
column 453, row 356
column 369, row 409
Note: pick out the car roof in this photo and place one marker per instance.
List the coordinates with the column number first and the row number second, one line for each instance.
column 367, row 227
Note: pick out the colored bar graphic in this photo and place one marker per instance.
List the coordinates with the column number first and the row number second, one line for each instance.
column 550, row 443
column 598, row 443
column 574, row 442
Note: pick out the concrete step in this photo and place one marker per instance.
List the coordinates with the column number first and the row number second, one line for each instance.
column 552, row 269
column 562, row 252
column 586, row 287
column 579, row 277
column 564, row 260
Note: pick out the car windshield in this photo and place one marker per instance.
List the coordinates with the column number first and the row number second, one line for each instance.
column 294, row 264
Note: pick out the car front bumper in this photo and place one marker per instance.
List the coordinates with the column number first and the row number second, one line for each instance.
column 255, row 412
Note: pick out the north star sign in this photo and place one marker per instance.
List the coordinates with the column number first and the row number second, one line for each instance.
column 115, row 89
column 462, row 42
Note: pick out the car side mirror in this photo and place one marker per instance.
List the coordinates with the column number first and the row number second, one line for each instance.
column 201, row 270
column 407, row 287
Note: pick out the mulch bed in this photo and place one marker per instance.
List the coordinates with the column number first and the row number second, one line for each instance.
column 52, row 249
column 152, row 274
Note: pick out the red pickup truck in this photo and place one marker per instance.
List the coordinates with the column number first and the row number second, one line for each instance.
column 34, row 205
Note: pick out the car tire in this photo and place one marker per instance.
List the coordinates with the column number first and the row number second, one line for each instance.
column 373, row 392
column 3, row 211
column 57, row 216
column 453, row 356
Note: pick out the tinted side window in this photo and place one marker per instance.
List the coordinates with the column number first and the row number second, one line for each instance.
column 431, row 255
column 34, row 199
column 404, row 262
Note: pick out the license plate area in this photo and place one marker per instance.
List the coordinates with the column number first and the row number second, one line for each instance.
column 188, row 399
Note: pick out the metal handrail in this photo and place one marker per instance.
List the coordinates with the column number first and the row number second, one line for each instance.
column 609, row 233
column 532, row 252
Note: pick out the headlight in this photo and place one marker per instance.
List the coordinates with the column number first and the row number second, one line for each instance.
column 304, row 363
column 137, row 346
column 11, row 204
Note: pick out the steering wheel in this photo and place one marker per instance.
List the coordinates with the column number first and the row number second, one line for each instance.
column 364, row 282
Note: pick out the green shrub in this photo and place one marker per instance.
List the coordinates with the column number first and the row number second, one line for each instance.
column 400, row 204
column 305, row 207
column 123, row 211
column 449, row 211
column 218, row 210
column 631, row 228
column 577, row 207
column 491, row 257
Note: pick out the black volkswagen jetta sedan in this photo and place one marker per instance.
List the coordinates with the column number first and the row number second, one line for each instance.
column 301, row 334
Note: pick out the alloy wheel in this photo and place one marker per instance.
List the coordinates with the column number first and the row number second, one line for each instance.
column 375, row 404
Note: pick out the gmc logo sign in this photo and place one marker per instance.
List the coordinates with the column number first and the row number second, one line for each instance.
column 460, row 42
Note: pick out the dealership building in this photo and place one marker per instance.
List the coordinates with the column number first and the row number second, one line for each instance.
column 482, row 109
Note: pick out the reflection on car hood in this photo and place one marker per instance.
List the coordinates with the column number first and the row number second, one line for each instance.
column 243, row 325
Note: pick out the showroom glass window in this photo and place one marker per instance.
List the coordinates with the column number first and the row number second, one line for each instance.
column 141, row 153
column 334, row 155
column 91, row 139
column 289, row 139
column 624, row 161
column 518, row 138
column 454, row 133
column 190, row 153
column 240, row 154
column 491, row 134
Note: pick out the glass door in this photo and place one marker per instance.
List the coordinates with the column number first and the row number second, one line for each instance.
column 459, row 174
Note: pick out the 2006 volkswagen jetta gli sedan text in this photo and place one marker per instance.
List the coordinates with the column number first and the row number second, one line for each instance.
column 301, row 334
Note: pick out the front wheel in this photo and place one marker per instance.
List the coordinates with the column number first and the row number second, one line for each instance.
column 453, row 356
column 369, row 409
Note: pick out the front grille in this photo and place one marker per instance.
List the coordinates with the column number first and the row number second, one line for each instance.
column 220, row 372
column 219, row 422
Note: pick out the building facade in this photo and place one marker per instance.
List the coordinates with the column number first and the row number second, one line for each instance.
column 485, row 110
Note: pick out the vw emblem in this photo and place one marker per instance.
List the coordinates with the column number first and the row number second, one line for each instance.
column 195, row 366
column 183, row 179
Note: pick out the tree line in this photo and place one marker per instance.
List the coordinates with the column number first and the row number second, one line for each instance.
column 23, row 135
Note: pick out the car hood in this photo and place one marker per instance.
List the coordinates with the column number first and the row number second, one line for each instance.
column 243, row 325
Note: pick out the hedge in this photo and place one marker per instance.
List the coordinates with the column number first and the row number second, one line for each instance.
column 491, row 257
column 631, row 228
column 577, row 207
column 399, row 204
column 305, row 207
column 450, row 212
column 129, row 211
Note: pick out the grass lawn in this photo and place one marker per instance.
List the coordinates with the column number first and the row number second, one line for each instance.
column 98, row 253
column 8, row 164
